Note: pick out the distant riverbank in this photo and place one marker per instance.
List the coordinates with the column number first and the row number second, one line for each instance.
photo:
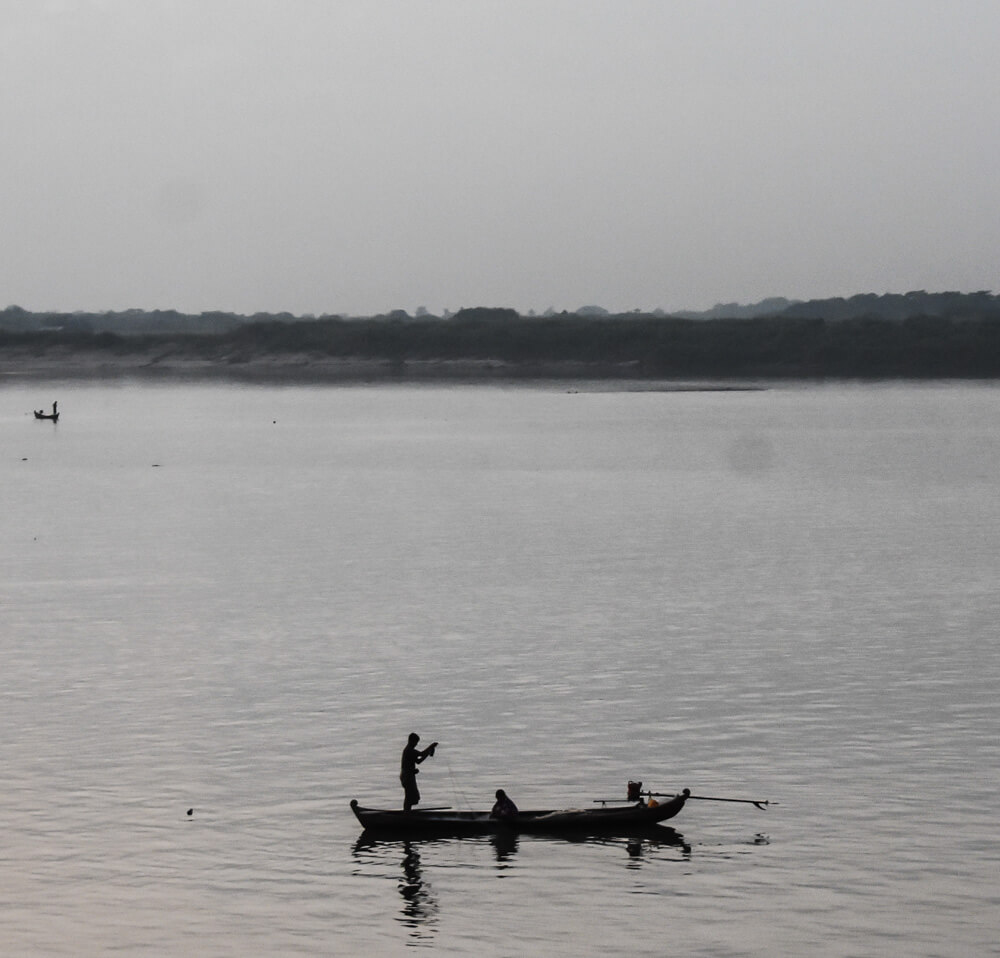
column 97, row 365
column 485, row 345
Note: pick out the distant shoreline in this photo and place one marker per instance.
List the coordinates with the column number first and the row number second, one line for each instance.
column 74, row 365
column 495, row 345
column 96, row 367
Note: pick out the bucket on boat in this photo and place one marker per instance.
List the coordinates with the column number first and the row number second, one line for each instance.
column 634, row 791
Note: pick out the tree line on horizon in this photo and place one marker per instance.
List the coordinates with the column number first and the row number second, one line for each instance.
column 892, row 335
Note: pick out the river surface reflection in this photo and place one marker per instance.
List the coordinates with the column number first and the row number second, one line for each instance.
column 241, row 600
column 413, row 861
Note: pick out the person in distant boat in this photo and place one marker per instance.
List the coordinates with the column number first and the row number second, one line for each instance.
column 504, row 809
column 412, row 757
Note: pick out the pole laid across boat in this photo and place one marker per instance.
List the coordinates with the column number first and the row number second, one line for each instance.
column 761, row 804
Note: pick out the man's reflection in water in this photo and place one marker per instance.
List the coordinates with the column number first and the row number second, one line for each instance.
column 505, row 845
column 419, row 905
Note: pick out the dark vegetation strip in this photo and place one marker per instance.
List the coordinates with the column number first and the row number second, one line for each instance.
column 957, row 346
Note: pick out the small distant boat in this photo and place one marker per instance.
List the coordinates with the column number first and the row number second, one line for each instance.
column 607, row 820
column 54, row 415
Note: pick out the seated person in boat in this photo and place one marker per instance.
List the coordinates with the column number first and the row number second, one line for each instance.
column 504, row 809
column 412, row 757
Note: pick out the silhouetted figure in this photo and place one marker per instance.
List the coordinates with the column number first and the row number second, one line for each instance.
column 504, row 809
column 412, row 757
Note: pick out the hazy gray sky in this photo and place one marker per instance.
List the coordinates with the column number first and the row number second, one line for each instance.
column 363, row 155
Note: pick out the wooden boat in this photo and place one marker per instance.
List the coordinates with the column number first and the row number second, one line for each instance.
column 54, row 415
column 607, row 820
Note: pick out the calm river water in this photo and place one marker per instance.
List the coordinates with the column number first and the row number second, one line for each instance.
column 240, row 600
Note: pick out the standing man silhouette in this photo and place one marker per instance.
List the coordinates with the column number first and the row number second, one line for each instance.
column 412, row 757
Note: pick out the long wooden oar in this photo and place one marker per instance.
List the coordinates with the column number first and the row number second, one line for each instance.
column 762, row 805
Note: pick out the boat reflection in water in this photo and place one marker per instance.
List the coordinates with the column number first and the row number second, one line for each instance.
column 506, row 845
column 638, row 844
column 419, row 912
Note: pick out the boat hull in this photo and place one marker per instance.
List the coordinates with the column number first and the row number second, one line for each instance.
column 617, row 819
